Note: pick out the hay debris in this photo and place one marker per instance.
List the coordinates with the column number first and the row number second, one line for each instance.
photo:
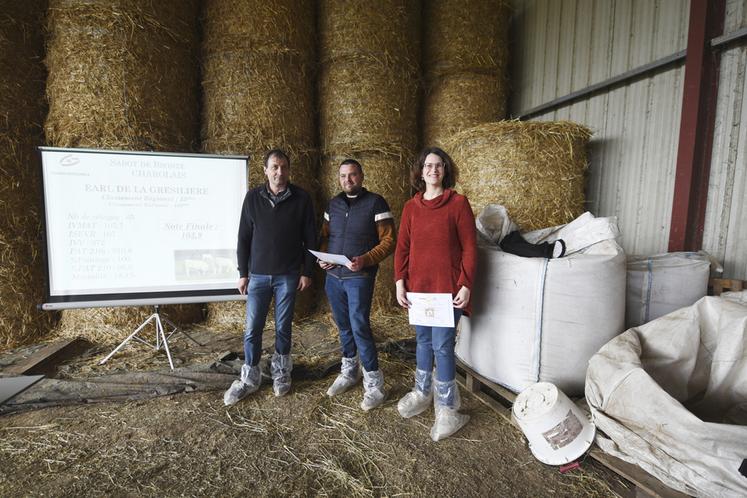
column 536, row 169
column 122, row 76
column 22, row 111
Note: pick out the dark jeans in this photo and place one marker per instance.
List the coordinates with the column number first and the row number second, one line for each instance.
column 350, row 300
column 258, row 297
column 437, row 342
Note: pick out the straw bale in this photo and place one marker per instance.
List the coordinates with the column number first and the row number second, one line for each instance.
column 458, row 101
column 367, row 105
column 386, row 175
column 257, row 102
column 259, row 87
column 122, row 76
column 269, row 27
column 22, row 111
column 536, row 169
column 385, row 30
column 466, row 35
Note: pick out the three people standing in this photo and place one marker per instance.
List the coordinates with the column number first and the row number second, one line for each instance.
column 436, row 252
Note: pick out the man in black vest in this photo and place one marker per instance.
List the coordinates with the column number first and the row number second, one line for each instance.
column 359, row 225
column 276, row 229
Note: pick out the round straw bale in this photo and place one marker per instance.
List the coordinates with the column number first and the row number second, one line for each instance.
column 22, row 111
column 257, row 102
column 536, row 169
column 261, row 27
column 258, row 87
column 122, row 76
column 458, row 101
column 466, row 35
column 385, row 30
column 386, row 175
column 368, row 106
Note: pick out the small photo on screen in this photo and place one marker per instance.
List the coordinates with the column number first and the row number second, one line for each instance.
column 205, row 264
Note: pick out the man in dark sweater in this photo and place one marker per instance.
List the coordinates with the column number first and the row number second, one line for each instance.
column 275, row 231
column 358, row 224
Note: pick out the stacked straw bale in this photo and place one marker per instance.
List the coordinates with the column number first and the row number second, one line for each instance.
column 466, row 63
column 536, row 169
column 368, row 97
column 122, row 75
column 259, row 86
column 22, row 111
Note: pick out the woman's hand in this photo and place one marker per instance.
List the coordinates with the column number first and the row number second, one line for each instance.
column 462, row 298
column 402, row 294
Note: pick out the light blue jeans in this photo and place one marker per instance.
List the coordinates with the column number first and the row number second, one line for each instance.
column 438, row 343
column 259, row 294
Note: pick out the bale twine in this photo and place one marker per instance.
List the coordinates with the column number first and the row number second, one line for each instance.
column 22, row 110
column 536, row 169
column 368, row 97
column 122, row 76
column 466, row 64
column 258, row 70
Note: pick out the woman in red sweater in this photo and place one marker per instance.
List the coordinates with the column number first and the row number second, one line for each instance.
column 436, row 253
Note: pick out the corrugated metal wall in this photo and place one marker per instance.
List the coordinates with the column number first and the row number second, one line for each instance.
column 725, row 233
column 567, row 45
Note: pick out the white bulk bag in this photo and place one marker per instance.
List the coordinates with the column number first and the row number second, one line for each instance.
column 671, row 395
column 539, row 320
column 660, row 284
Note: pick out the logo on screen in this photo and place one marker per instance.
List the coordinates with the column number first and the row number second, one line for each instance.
column 69, row 160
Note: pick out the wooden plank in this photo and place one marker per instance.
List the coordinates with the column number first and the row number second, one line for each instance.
column 645, row 481
column 716, row 286
column 48, row 358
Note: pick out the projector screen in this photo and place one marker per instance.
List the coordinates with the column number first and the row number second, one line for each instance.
column 139, row 228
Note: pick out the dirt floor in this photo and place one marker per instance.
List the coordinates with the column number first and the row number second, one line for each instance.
column 302, row 444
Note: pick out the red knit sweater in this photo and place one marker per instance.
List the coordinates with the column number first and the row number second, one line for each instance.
column 437, row 245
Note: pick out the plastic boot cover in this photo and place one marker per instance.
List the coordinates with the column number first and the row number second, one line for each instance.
column 349, row 376
column 416, row 401
column 373, row 389
column 247, row 384
column 280, row 368
column 446, row 402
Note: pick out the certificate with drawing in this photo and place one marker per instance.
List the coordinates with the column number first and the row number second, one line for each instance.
column 335, row 259
column 431, row 310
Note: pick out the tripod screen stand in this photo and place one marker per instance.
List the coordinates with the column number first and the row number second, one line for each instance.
column 162, row 339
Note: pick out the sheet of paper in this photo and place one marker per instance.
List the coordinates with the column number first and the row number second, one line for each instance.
column 431, row 310
column 335, row 259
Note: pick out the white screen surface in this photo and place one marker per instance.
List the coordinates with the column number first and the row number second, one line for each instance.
column 123, row 225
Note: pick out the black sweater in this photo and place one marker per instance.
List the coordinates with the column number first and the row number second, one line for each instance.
column 273, row 239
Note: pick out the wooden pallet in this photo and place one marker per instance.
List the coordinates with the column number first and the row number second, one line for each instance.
column 718, row 285
column 500, row 399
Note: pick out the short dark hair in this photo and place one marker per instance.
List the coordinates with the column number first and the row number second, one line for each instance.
column 416, row 173
column 353, row 162
column 276, row 153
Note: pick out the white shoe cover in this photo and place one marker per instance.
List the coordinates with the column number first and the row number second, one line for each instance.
column 244, row 386
column 280, row 368
column 349, row 376
column 447, row 422
column 414, row 403
column 373, row 389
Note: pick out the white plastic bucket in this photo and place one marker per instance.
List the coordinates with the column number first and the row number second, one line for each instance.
column 557, row 430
